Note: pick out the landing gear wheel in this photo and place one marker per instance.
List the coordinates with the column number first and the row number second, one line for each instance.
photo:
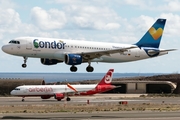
column 24, row 65
column 73, row 68
column 22, row 100
column 68, row 99
column 89, row 69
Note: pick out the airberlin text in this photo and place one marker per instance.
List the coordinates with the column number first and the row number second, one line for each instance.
column 41, row 89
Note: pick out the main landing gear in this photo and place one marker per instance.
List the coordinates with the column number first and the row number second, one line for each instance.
column 24, row 64
column 73, row 68
column 68, row 99
column 89, row 68
column 22, row 99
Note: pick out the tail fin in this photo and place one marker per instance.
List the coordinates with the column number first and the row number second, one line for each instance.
column 152, row 38
column 107, row 79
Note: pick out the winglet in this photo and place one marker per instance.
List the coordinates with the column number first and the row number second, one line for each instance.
column 71, row 87
column 107, row 79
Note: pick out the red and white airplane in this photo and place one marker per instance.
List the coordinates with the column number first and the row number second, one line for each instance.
column 61, row 91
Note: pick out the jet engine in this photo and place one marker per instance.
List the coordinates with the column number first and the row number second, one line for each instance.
column 46, row 61
column 58, row 96
column 73, row 59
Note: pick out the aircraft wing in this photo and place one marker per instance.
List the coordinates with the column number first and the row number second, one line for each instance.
column 71, row 87
column 96, row 54
column 69, row 93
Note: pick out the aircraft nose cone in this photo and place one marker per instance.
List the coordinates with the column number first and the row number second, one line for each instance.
column 6, row 49
column 12, row 92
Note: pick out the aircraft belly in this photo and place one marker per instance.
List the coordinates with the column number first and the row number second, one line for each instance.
column 126, row 57
column 38, row 53
column 59, row 55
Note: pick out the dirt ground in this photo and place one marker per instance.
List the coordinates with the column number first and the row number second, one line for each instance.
column 94, row 107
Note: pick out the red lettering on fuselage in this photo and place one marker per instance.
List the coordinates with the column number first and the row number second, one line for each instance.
column 40, row 89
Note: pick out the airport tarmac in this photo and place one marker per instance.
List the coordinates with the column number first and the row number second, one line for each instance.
column 155, row 108
column 135, row 115
column 98, row 98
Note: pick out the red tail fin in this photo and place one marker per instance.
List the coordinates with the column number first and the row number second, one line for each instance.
column 107, row 79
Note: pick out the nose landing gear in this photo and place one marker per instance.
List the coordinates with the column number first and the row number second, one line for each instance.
column 24, row 64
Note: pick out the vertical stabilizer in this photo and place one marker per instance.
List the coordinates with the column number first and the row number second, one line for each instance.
column 152, row 38
column 107, row 79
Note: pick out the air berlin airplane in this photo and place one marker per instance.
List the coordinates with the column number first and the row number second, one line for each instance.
column 61, row 91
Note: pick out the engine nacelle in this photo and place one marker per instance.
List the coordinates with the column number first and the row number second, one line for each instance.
column 46, row 61
column 73, row 59
column 45, row 97
column 58, row 96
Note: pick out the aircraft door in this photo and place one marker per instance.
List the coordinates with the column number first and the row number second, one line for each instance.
column 28, row 45
column 25, row 90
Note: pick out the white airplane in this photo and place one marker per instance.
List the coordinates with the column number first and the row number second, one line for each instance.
column 61, row 91
column 75, row 52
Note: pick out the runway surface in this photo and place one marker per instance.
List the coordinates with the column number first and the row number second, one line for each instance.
column 98, row 98
column 94, row 115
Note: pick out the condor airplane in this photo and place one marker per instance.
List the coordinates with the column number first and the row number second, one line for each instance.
column 75, row 52
column 61, row 91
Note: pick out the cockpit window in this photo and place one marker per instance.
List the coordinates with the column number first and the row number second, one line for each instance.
column 17, row 89
column 14, row 42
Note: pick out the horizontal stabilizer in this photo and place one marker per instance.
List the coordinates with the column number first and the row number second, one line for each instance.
column 158, row 51
column 168, row 50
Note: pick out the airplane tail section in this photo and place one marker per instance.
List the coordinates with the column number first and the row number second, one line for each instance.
column 107, row 79
column 152, row 38
column 103, row 86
